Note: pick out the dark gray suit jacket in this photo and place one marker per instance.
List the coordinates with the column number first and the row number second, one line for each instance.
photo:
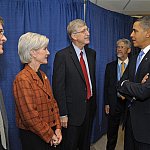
column 110, row 88
column 140, row 108
column 69, row 85
column 4, row 116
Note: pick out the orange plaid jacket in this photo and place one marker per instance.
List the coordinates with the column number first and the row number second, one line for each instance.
column 36, row 108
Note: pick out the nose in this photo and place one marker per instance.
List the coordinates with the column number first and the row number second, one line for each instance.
column 87, row 32
column 131, row 35
column 48, row 53
column 4, row 39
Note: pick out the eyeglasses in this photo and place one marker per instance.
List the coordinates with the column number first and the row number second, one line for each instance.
column 118, row 47
column 82, row 31
column 1, row 33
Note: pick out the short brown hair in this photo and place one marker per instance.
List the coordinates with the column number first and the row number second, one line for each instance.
column 1, row 20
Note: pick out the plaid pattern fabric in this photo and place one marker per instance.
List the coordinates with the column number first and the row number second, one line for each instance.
column 36, row 108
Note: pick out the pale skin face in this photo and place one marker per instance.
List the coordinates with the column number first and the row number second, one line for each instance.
column 140, row 37
column 2, row 39
column 39, row 57
column 122, row 51
column 81, row 37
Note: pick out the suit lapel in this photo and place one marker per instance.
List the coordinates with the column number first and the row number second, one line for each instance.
column 2, row 108
column 38, row 81
column 115, row 71
column 4, row 117
column 90, row 63
column 144, row 60
column 76, row 61
column 133, row 67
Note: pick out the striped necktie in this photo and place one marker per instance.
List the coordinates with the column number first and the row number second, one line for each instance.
column 122, row 68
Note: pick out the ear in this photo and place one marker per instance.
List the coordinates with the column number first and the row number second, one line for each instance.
column 73, row 36
column 33, row 53
column 148, row 33
column 129, row 50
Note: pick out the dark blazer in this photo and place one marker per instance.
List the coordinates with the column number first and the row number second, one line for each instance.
column 69, row 85
column 4, row 116
column 140, row 108
column 110, row 89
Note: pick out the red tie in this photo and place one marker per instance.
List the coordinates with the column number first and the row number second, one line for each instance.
column 83, row 66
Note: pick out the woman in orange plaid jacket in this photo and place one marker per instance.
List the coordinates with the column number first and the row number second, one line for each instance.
column 37, row 114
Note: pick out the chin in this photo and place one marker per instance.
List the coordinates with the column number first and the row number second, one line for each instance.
column 119, row 55
column 88, row 42
column 135, row 45
column 1, row 51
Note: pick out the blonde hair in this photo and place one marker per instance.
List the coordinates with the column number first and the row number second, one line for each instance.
column 30, row 41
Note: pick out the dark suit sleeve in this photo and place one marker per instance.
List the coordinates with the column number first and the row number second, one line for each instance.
column 58, row 83
column 140, row 91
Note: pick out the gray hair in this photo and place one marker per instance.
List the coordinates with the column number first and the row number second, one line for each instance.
column 74, row 25
column 144, row 22
column 30, row 41
column 125, row 41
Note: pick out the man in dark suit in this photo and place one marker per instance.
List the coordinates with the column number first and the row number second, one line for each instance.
column 74, row 87
column 114, row 105
column 4, row 143
column 137, row 135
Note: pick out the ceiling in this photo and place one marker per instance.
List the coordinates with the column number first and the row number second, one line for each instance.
column 128, row 7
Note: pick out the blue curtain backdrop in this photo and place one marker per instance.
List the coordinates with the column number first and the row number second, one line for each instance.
column 106, row 27
column 48, row 17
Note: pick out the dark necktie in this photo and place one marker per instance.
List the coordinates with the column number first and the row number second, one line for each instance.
column 83, row 66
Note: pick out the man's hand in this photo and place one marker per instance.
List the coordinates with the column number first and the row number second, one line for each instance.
column 120, row 96
column 64, row 121
column 145, row 78
column 107, row 107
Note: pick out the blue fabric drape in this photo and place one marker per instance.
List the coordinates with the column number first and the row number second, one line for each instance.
column 48, row 17
column 106, row 27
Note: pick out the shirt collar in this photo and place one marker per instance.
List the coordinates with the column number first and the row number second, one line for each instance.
column 146, row 49
column 125, row 61
column 78, row 51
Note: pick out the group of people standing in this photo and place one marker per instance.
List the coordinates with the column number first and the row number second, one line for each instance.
column 127, row 90
column 60, row 117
